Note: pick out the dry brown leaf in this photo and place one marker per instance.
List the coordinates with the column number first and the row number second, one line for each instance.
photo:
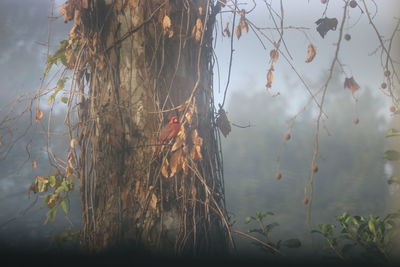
column 185, row 166
column 34, row 164
column 66, row 10
column 167, row 26
column 197, row 30
column 179, row 142
column 189, row 114
column 312, row 51
column 200, row 11
column 270, row 77
column 351, row 84
column 196, row 153
column 238, row 32
column 274, row 54
column 164, row 169
column 223, row 123
column 197, row 144
column 73, row 143
column 226, row 30
column 176, row 162
column 153, row 201
column 243, row 23
column 39, row 115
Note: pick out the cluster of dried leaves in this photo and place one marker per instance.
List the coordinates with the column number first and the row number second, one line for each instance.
column 186, row 147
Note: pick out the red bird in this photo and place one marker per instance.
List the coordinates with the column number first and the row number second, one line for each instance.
column 170, row 130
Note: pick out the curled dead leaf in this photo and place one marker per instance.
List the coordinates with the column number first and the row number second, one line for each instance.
column 34, row 164
column 351, row 84
column 223, row 123
column 189, row 114
column 197, row 30
column 167, row 26
column 164, row 168
column 274, row 54
column 270, row 77
column 67, row 11
column 197, row 144
column 312, row 51
column 73, row 143
column 238, row 31
column 243, row 23
column 176, row 162
column 153, row 201
column 39, row 115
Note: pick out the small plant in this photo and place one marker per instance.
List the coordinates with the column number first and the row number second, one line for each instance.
column 373, row 237
column 60, row 186
column 264, row 230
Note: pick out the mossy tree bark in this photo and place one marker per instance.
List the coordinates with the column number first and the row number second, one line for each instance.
column 134, row 72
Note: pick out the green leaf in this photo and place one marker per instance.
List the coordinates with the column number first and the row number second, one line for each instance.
column 65, row 206
column 58, row 57
column 51, row 215
column 292, row 243
column 391, row 155
column 392, row 132
column 52, row 180
column 64, row 100
column 371, row 226
column 393, row 180
column 316, row 231
column 61, row 83
column 248, row 220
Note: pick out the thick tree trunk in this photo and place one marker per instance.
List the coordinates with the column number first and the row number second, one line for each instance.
column 140, row 71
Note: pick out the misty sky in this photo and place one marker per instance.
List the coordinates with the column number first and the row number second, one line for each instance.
column 24, row 29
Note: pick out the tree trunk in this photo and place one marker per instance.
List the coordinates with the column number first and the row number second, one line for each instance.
column 134, row 71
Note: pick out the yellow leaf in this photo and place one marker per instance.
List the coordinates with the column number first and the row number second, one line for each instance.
column 312, row 51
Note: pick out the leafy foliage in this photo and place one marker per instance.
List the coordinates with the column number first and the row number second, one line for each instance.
column 375, row 236
column 60, row 185
column 265, row 229
column 58, row 57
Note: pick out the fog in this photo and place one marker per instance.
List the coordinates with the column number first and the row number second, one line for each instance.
column 352, row 172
